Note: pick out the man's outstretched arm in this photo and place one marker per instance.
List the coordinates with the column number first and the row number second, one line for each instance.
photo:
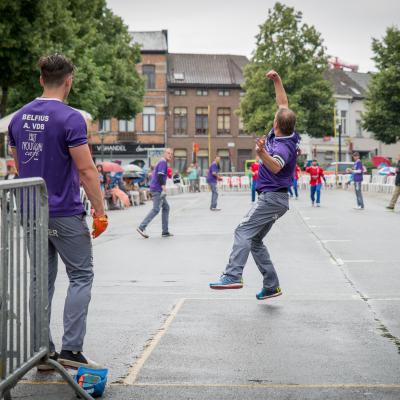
column 281, row 98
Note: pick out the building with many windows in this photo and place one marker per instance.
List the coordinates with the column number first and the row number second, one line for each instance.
column 350, row 90
column 204, row 95
column 188, row 98
column 130, row 140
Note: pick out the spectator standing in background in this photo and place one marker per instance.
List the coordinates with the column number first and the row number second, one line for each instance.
column 358, row 174
column 396, row 192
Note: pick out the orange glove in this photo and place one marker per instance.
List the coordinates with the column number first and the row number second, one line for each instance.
column 100, row 224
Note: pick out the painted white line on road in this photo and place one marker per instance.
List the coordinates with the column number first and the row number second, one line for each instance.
column 320, row 226
column 334, row 240
column 358, row 261
column 137, row 366
column 274, row 386
column 339, row 261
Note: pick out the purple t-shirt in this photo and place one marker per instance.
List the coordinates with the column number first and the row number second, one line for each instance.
column 284, row 150
column 358, row 176
column 42, row 132
column 211, row 178
column 159, row 174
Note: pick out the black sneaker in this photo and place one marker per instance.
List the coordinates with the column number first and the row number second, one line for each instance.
column 75, row 359
column 166, row 234
column 43, row 367
column 268, row 293
column 143, row 233
column 215, row 209
column 390, row 208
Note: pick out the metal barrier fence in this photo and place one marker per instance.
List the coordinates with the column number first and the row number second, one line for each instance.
column 24, row 336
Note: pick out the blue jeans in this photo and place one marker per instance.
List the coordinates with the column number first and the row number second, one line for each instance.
column 295, row 187
column 316, row 189
column 253, row 190
column 214, row 194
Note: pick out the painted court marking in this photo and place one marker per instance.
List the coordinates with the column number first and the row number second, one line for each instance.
column 137, row 366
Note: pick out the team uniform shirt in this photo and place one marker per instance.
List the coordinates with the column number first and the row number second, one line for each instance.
column 358, row 171
column 159, row 177
column 297, row 172
column 316, row 175
column 42, row 132
column 255, row 167
column 211, row 178
column 284, row 150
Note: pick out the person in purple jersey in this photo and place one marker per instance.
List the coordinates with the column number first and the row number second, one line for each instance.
column 159, row 196
column 212, row 180
column 278, row 154
column 358, row 176
column 49, row 140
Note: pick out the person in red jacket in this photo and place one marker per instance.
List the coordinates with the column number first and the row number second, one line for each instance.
column 297, row 172
column 254, row 175
column 316, row 177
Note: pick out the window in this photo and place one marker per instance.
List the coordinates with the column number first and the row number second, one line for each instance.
column 202, row 161
column 243, row 156
column 359, row 129
column 201, row 120
column 343, row 123
column 241, row 127
column 180, row 92
column 126, row 125
column 329, row 155
column 223, row 92
column 225, row 161
column 202, row 92
column 180, row 158
column 180, row 121
column 104, row 125
column 149, row 119
column 149, row 72
column 224, row 121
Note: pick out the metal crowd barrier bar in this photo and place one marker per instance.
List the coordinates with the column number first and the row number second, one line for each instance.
column 24, row 336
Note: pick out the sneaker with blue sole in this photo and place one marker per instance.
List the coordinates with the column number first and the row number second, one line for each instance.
column 268, row 293
column 227, row 282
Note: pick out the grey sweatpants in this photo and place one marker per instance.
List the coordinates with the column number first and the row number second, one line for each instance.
column 69, row 237
column 158, row 203
column 249, row 237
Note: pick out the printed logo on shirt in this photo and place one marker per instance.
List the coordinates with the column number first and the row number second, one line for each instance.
column 32, row 146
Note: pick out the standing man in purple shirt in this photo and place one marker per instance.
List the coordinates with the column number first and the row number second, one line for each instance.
column 278, row 154
column 49, row 140
column 358, row 174
column 212, row 180
column 159, row 195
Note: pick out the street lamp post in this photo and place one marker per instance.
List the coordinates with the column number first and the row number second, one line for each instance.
column 101, row 133
column 340, row 141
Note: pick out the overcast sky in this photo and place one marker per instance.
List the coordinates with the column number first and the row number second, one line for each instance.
column 229, row 26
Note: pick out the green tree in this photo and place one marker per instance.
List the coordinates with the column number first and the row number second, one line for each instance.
column 106, row 82
column 382, row 114
column 295, row 50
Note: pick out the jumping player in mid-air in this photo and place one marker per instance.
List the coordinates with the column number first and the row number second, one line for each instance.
column 278, row 154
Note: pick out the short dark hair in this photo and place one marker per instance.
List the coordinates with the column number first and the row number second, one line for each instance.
column 286, row 121
column 356, row 154
column 54, row 69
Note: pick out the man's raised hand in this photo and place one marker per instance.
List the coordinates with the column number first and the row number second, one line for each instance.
column 273, row 75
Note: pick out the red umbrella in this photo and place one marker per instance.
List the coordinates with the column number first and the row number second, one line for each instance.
column 111, row 167
column 379, row 160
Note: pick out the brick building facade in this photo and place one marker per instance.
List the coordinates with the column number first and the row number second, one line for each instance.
column 181, row 90
column 204, row 96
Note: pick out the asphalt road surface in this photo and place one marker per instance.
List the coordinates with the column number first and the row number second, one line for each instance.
column 153, row 321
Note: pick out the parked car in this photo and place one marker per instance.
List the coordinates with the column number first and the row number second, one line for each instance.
column 341, row 166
